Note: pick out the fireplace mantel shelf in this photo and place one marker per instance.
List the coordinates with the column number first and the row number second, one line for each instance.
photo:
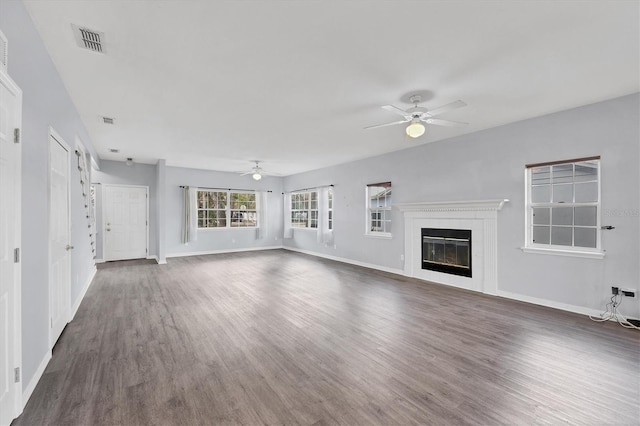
column 452, row 206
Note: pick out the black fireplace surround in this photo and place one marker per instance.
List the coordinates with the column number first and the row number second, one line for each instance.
column 447, row 250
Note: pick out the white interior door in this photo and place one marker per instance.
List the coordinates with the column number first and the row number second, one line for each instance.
column 125, row 222
column 59, row 236
column 10, row 187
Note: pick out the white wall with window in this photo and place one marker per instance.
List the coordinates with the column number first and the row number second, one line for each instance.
column 563, row 207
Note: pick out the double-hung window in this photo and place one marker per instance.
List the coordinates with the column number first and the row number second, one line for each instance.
column 304, row 209
column 227, row 209
column 330, row 209
column 379, row 209
column 563, row 206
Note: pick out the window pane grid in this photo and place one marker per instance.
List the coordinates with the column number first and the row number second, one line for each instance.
column 225, row 209
column 564, row 204
column 379, row 208
column 304, row 209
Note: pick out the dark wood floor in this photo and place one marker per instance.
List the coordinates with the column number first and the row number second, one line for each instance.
column 283, row 338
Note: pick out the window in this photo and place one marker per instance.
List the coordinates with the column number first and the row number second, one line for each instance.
column 330, row 209
column 304, row 209
column 227, row 209
column 379, row 209
column 563, row 205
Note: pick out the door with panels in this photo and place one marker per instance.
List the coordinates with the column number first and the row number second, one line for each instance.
column 125, row 221
column 59, row 235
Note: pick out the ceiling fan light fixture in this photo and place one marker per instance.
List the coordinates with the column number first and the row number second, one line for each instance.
column 415, row 129
column 256, row 175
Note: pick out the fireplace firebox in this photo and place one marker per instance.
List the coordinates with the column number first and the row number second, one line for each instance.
column 447, row 250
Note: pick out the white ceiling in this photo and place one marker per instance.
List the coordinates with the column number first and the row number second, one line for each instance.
column 216, row 84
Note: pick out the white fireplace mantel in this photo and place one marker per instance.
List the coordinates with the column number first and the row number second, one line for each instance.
column 480, row 216
column 450, row 206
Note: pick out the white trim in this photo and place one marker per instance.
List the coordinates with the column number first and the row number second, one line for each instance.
column 204, row 252
column 157, row 259
column 76, row 305
column 100, row 261
column 380, row 235
column 445, row 206
column 549, row 303
column 349, row 261
column 12, row 87
column 560, row 252
column 26, row 394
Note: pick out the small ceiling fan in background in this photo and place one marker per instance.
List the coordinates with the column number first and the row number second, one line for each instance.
column 416, row 116
column 256, row 172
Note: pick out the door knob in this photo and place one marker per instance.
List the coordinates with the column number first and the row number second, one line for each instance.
column 68, row 247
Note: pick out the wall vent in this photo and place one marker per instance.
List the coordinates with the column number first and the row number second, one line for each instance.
column 89, row 39
column 107, row 120
column 4, row 51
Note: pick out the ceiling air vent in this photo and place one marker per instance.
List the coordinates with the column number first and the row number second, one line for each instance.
column 4, row 51
column 89, row 39
column 107, row 120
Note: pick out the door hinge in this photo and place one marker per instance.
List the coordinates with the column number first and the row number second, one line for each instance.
column 16, row 255
column 16, row 375
column 16, row 135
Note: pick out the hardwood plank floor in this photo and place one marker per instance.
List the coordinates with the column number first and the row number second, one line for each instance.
column 275, row 337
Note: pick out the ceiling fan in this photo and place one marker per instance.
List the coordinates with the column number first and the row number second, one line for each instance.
column 256, row 172
column 416, row 116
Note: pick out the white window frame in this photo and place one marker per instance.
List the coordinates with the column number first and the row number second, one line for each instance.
column 379, row 210
column 307, row 208
column 229, row 211
column 330, row 209
column 562, row 250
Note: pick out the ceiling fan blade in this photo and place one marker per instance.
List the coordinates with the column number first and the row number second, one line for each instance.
column 446, row 108
column 387, row 124
column 246, row 173
column 396, row 110
column 448, row 123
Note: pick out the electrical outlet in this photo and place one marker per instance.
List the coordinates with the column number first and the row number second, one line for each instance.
column 627, row 292
column 615, row 290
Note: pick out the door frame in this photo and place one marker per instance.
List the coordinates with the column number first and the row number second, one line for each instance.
column 103, row 188
column 56, row 136
column 16, row 332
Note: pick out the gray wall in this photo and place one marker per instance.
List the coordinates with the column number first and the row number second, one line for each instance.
column 45, row 103
column 118, row 173
column 219, row 239
column 490, row 165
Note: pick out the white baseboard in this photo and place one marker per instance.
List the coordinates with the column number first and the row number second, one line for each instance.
column 349, row 261
column 550, row 303
column 99, row 261
column 508, row 295
column 76, row 305
column 26, row 393
column 200, row 253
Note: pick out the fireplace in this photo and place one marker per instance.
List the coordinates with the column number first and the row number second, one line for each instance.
column 447, row 250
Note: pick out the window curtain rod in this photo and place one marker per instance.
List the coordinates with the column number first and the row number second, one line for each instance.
column 308, row 189
column 226, row 189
